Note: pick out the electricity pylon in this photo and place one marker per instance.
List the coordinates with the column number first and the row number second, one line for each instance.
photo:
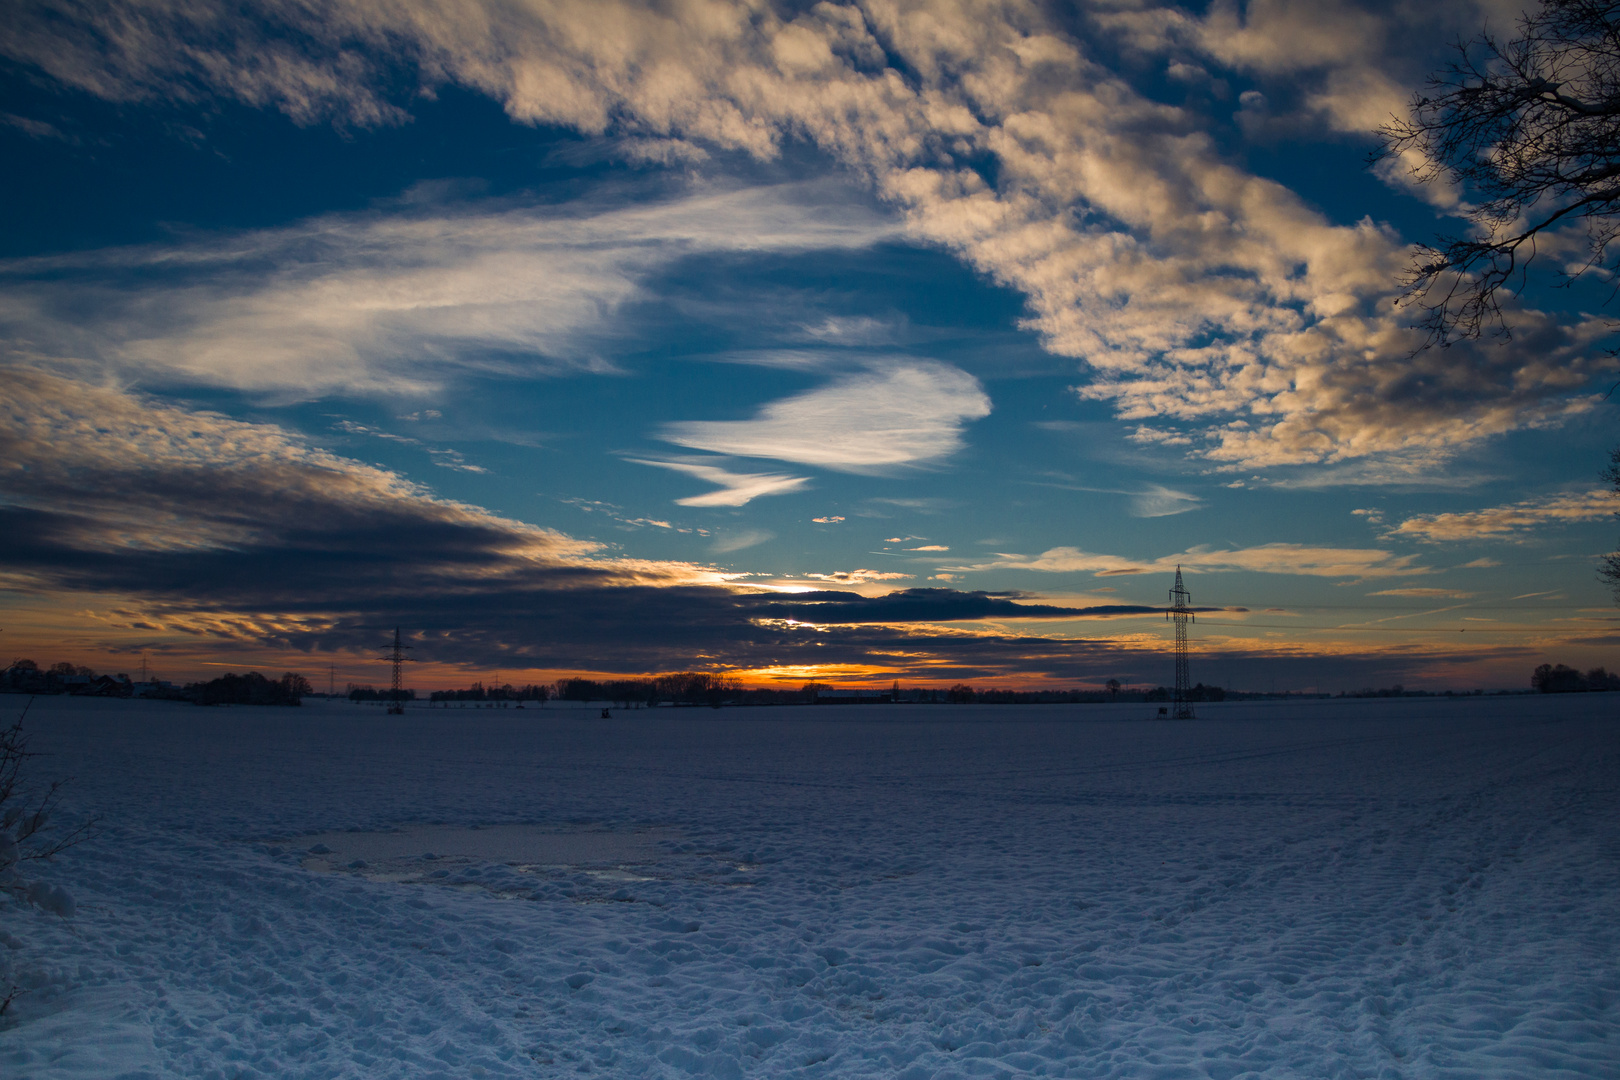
column 397, row 657
column 1180, row 613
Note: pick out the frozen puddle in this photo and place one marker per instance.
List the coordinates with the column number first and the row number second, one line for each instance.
column 451, row 854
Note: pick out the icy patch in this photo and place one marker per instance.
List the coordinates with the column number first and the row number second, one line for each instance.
column 440, row 852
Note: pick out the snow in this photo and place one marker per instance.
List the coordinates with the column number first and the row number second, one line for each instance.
column 1386, row 888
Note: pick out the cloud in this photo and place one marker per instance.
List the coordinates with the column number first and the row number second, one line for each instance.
column 176, row 532
column 830, row 520
column 1344, row 66
column 1512, row 521
column 930, row 547
column 851, row 331
column 931, row 605
column 37, row 129
column 738, row 541
column 394, row 302
column 440, row 456
column 854, row 577
column 204, row 527
column 736, row 489
column 1427, row 594
column 1155, row 500
column 103, row 489
column 1207, row 303
column 902, row 412
column 1159, row 501
column 1266, row 559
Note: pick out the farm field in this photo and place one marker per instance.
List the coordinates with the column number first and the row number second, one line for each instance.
column 1340, row 888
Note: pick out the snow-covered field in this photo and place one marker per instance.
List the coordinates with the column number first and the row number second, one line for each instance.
column 1409, row 888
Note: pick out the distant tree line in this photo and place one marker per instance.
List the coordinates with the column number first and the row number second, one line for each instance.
column 371, row 693
column 680, row 688
column 1558, row 679
column 504, row 692
column 705, row 688
column 249, row 689
column 1195, row 693
column 252, row 688
column 1388, row 691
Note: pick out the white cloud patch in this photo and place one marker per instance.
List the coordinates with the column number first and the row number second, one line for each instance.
column 440, row 456
column 736, row 489
column 1426, row 594
column 1155, row 500
column 856, row 577
column 374, row 303
column 737, row 541
column 1212, row 302
column 851, row 331
column 1160, row 501
column 899, row 413
column 1512, row 521
column 1296, row 559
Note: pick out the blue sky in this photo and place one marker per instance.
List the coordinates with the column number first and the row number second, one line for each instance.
column 632, row 338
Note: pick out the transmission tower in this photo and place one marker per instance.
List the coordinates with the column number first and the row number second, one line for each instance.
column 397, row 657
column 1180, row 612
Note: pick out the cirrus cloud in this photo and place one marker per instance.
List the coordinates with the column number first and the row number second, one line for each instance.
column 394, row 302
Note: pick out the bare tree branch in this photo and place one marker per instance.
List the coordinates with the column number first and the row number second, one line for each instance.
column 1529, row 131
column 24, row 823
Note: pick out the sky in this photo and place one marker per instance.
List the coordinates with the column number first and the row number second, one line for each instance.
column 845, row 342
